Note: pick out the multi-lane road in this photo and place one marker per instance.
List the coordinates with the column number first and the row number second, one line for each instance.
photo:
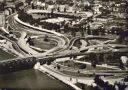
column 63, row 41
column 60, row 39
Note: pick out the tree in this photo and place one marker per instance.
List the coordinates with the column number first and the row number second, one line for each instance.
column 93, row 64
column 30, row 41
column 83, row 66
column 46, row 38
column 58, row 67
column 28, row 1
column 2, row 6
column 48, row 62
column 43, row 62
column 121, row 65
column 122, row 37
column 18, row 5
column 33, row 7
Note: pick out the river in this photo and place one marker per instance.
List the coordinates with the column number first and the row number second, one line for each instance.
column 29, row 79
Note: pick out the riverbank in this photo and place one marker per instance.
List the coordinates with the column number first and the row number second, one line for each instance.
column 65, row 79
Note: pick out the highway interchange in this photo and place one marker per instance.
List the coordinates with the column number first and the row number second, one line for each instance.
column 63, row 41
column 64, row 46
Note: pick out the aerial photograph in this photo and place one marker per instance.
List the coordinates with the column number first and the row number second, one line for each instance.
column 63, row 44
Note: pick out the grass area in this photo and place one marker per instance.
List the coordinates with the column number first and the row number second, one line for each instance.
column 75, row 69
column 40, row 43
column 76, row 65
column 4, row 55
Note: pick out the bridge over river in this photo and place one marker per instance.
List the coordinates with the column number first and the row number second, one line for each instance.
column 29, row 62
column 12, row 65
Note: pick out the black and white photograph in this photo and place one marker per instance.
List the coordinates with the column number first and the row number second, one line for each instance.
column 63, row 44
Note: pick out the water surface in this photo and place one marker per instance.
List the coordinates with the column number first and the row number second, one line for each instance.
column 29, row 79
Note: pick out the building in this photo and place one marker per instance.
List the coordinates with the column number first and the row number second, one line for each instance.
column 111, row 13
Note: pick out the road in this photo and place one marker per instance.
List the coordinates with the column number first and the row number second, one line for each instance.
column 63, row 43
column 20, row 53
column 61, row 39
column 62, row 47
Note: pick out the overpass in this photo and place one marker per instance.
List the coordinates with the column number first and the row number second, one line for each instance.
column 17, row 24
column 29, row 62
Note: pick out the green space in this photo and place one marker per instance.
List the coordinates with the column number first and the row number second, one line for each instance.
column 44, row 44
column 77, row 66
column 4, row 55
